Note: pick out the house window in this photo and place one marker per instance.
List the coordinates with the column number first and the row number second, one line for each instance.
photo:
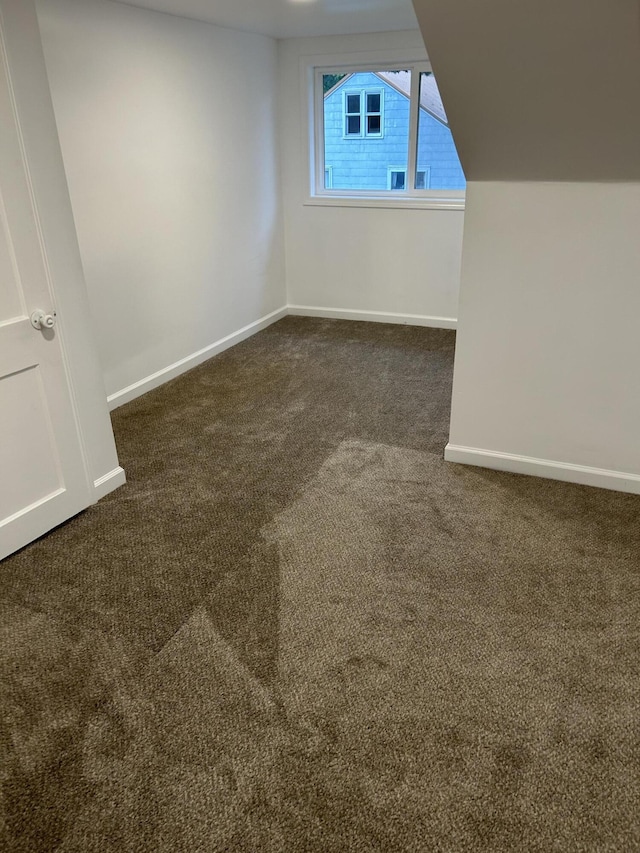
column 398, row 179
column 367, row 120
column 328, row 177
column 353, row 114
column 422, row 178
column 362, row 113
column 373, row 101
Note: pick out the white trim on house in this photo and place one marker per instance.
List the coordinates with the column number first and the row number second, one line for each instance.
column 547, row 468
column 347, row 113
column 363, row 114
column 379, row 113
column 427, row 177
column 391, row 170
column 328, row 177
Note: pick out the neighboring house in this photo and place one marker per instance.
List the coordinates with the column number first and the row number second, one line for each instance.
column 366, row 130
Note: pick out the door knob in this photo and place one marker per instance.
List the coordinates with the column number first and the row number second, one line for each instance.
column 40, row 320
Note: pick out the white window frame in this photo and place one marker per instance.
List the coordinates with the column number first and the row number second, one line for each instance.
column 390, row 171
column 409, row 197
column 363, row 113
column 346, row 115
column 427, row 176
column 328, row 177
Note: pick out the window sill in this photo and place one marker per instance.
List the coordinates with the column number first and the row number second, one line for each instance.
column 405, row 203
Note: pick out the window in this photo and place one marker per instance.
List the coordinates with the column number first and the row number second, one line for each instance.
column 353, row 114
column 373, row 101
column 328, row 177
column 423, row 178
column 362, row 113
column 398, row 179
column 385, row 133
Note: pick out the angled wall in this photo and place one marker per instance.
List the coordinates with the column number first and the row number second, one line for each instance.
column 539, row 90
column 543, row 101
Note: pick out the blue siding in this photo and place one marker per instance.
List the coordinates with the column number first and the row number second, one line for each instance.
column 363, row 163
column 437, row 152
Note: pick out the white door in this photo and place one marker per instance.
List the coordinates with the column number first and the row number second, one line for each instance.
column 43, row 479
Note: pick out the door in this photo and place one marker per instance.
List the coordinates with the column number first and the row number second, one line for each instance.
column 43, row 478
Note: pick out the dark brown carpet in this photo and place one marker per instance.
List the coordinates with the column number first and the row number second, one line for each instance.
column 298, row 629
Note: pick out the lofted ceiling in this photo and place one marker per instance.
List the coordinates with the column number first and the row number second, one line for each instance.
column 293, row 18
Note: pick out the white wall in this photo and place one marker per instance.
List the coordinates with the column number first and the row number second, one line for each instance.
column 399, row 262
column 85, row 392
column 548, row 347
column 169, row 135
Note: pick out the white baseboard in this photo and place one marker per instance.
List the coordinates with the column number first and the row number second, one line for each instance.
column 565, row 471
column 173, row 370
column 373, row 316
column 161, row 376
column 108, row 483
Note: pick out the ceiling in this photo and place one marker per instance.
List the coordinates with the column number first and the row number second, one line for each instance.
column 294, row 18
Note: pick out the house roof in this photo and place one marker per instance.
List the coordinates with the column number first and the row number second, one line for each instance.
column 430, row 99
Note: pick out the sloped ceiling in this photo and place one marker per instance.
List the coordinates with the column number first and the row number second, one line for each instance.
column 539, row 90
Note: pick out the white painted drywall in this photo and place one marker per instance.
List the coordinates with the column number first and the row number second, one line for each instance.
column 169, row 134
column 545, row 90
column 403, row 262
column 548, row 347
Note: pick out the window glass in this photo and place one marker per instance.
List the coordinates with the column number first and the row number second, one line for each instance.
column 397, row 179
column 368, row 116
column 423, row 180
column 353, row 125
column 366, row 127
column 437, row 157
column 373, row 125
column 373, row 103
